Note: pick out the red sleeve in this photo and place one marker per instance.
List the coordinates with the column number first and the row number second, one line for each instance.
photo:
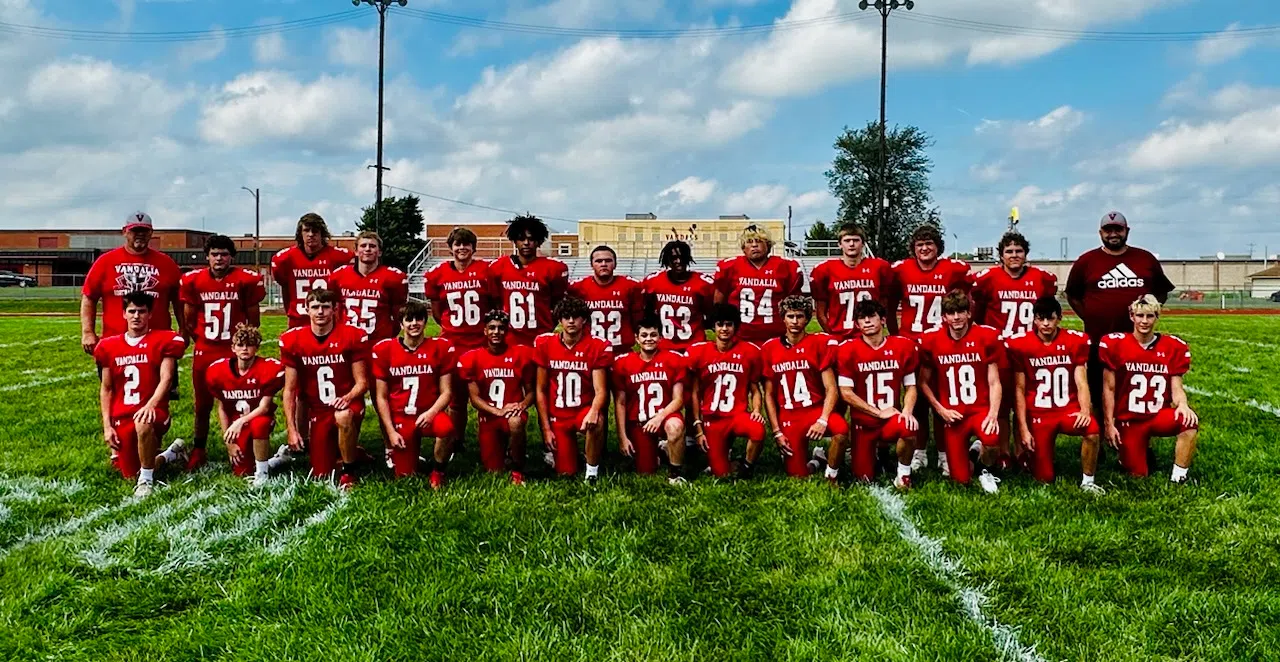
column 379, row 362
column 960, row 278
column 344, row 256
column 539, row 353
column 559, row 280
column 466, row 364
column 977, row 299
column 276, row 382
column 1180, row 362
column 1108, row 352
column 174, row 347
column 1050, row 284
column 1075, row 278
column 724, row 276
column 287, row 356
column 429, row 286
column 93, row 281
column 604, row 356
column 797, row 277
column 911, row 363
column 1014, row 357
column 171, row 274
column 996, row 350
column 398, row 291
column 819, row 285
column 926, row 352
column 829, row 351
column 254, row 291
column 681, row 373
column 359, row 345
column 187, row 288
column 279, row 268
column 529, row 369
column 100, row 355
column 448, row 359
column 766, row 365
column 617, row 376
column 575, row 290
column 754, row 367
column 1081, row 354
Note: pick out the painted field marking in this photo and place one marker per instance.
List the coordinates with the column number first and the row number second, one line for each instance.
column 99, row 555
column 972, row 600
column 288, row 537
column 68, row 527
column 1260, row 406
column 45, row 382
column 1241, row 369
column 191, row 546
column 29, row 489
column 42, row 341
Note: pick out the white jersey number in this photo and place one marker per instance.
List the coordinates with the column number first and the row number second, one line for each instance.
column 410, row 384
column 726, row 386
column 520, row 306
column 879, row 393
column 360, row 313
column 498, row 394
column 132, row 377
column 217, row 321
column 933, row 316
column 1018, row 317
column 607, row 326
column 850, row 301
column 1139, row 386
column 568, row 390
column 798, row 397
column 464, row 307
column 747, row 306
column 651, row 400
column 324, row 381
column 675, row 322
column 963, row 384
column 1053, row 388
column 301, row 288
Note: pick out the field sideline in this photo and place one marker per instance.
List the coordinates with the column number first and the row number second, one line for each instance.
column 635, row 570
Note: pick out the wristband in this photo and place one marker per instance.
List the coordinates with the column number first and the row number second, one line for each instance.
column 697, row 423
column 822, row 422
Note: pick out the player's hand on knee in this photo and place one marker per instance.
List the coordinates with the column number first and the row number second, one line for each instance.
column 653, row 426
column 990, row 425
column 1184, row 415
column 950, row 415
column 909, row 421
column 424, row 420
column 1081, row 419
column 145, row 415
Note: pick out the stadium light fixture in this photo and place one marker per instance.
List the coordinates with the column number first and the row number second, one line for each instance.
column 381, row 6
column 884, row 7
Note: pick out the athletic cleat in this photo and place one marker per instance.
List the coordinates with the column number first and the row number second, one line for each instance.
column 1092, row 488
column 1179, row 481
column 902, row 483
column 390, row 463
column 437, row 479
column 815, row 466
column 549, row 459
column 347, row 482
column 260, row 480
column 942, row 466
column 143, row 490
column 920, row 460
column 990, row 484
column 678, row 481
column 820, row 454
column 198, row 457
column 517, row 478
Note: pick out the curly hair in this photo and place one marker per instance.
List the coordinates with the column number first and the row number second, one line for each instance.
column 1013, row 238
column 496, row 315
column 571, row 307
column 724, row 313
column 956, row 301
column 869, row 308
column 247, row 336
column 219, row 242
column 798, row 302
column 528, row 226
column 675, row 249
column 927, row 232
column 311, row 221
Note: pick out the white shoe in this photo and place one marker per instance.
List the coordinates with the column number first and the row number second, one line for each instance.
column 549, row 458
column 677, row 480
column 920, row 460
column 902, row 483
column 179, row 451
column 143, row 490
column 662, row 445
column 390, row 464
column 282, row 453
column 820, row 454
column 1092, row 488
column 990, row 484
column 815, row 466
column 942, row 465
column 260, row 480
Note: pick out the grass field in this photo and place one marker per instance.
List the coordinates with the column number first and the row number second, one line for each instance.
column 634, row 569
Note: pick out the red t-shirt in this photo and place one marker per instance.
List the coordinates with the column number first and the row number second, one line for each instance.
column 240, row 393
column 758, row 292
column 919, row 293
column 461, row 299
column 615, row 308
column 960, row 366
column 877, row 374
column 1107, row 284
column 501, row 378
column 647, row 384
column 1143, row 374
column 221, row 304
column 796, row 371
column 569, row 370
column 324, row 364
column 528, row 293
column 1005, row 303
column 372, row 301
column 298, row 274
column 842, row 287
column 413, row 377
column 726, row 378
column 1049, row 367
column 119, row 272
column 682, row 309
column 134, row 364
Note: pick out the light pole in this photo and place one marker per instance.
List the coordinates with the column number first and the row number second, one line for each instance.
column 257, row 226
column 381, row 6
column 884, row 7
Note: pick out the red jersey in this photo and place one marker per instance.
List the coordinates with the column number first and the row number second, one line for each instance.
column 682, row 308
column 758, row 292
column 501, row 378
column 877, row 374
column 842, row 287
column 1049, row 367
column 726, row 378
column 796, row 370
column 134, row 364
column 1107, row 284
column 919, row 293
column 461, row 299
column 572, row 389
column 324, row 364
column 615, row 308
column 240, row 393
column 648, row 384
column 527, row 293
column 413, row 377
column 221, row 304
column 372, row 301
column 119, row 272
column 960, row 366
column 298, row 274
column 1004, row 302
column 1143, row 374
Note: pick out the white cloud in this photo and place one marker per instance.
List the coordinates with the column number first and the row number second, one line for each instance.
column 269, row 106
column 690, row 190
column 353, row 47
column 989, row 172
column 1248, row 139
column 1222, row 46
column 269, row 48
column 1047, row 132
column 205, row 50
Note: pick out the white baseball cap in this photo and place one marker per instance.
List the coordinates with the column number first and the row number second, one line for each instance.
column 137, row 220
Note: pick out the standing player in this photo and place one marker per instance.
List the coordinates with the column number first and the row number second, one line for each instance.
column 1143, row 396
column 245, row 386
column 134, row 267
column 573, row 388
column 840, row 283
column 306, row 266
column 800, row 390
column 138, row 367
column 648, row 387
column 757, row 282
column 725, row 393
column 1051, row 392
column 614, row 301
column 500, row 380
column 327, row 370
column 526, row 284
column 372, row 293
column 413, row 385
column 680, row 297
column 960, row 378
column 218, row 299
column 872, row 370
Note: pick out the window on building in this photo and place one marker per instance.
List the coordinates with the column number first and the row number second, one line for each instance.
column 47, row 242
column 565, row 249
column 622, row 235
column 656, row 236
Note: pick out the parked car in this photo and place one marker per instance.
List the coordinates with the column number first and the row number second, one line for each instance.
column 1275, row 297
column 11, row 279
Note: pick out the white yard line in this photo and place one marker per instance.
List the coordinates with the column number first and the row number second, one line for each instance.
column 42, row 341
column 1260, row 406
column 972, row 600
column 99, row 554
column 45, row 382
column 282, row 543
column 66, row 528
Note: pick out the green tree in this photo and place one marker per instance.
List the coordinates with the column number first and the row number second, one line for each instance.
column 854, row 180
column 401, row 227
column 820, row 240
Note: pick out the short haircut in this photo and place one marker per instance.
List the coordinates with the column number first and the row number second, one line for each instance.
column 603, row 247
column 413, row 310
column 955, row 301
column 927, row 232
column 1047, row 307
column 321, row 295
column 1013, row 238
column 869, row 308
column 460, row 235
column 139, row 298
column 311, row 221
column 798, row 302
column 851, row 230
column 219, row 242
column 369, row 234
column 528, row 226
column 754, row 231
column 1146, row 303
column 675, row 249
column 246, row 335
column 571, row 307
column 724, row 312
column 649, row 321
column 496, row 315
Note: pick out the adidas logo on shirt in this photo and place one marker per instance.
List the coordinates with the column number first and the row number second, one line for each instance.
column 1119, row 277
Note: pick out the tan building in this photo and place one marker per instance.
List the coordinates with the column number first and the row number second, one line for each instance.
column 492, row 242
column 642, row 235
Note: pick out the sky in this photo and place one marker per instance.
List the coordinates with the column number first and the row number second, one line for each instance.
column 1166, row 110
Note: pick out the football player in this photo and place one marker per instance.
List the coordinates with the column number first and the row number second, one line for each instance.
column 573, row 386
column 840, row 283
column 460, row 297
column 526, row 284
column 245, row 386
column 757, row 282
column 500, row 379
column 372, row 292
column 680, row 296
column 138, row 368
column 614, row 300
column 648, row 387
column 1142, row 392
column 725, row 391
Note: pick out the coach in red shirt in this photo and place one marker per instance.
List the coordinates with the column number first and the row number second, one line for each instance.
column 133, row 267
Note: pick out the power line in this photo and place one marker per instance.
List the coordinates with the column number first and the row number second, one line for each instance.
column 168, row 36
column 684, row 33
column 478, row 206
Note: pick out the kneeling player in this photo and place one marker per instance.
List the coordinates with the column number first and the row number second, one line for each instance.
column 724, row 387
column 245, row 386
column 138, row 368
column 648, row 387
column 800, row 391
column 573, row 387
column 960, row 362
column 871, row 370
column 413, row 385
column 500, row 382
column 1051, row 385
column 326, row 368
column 1142, row 394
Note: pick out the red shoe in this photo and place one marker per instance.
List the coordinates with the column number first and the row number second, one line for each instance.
column 437, row 479
column 517, row 478
column 198, row 458
column 347, row 482
column 902, row 483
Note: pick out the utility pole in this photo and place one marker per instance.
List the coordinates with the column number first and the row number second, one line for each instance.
column 884, row 7
column 257, row 226
column 381, row 6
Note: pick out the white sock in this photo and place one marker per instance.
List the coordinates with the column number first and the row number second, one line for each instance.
column 904, row 470
column 169, row 456
column 593, row 470
column 832, row 472
column 1178, row 473
column 262, row 467
column 1086, row 479
column 147, row 476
